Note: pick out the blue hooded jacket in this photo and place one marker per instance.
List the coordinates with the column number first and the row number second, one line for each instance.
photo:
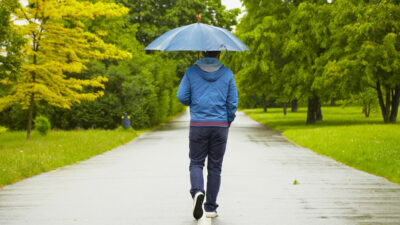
column 209, row 89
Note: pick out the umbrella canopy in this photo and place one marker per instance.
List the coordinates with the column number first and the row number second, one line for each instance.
column 197, row 37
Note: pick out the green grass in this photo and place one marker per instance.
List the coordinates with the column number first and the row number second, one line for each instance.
column 345, row 134
column 20, row 158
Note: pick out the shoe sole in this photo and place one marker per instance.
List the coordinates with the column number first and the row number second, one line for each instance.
column 198, row 207
column 212, row 216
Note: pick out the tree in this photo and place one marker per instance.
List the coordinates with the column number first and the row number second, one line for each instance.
column 259, row 72
column 287, row 39
column 379, row 54
column 57, row 46
column 308, row 46
column 145, row 85
column 157, row 17
column 367, row 99
column 370, row 37
column 142, row 84
column 322, row 51
column 10, row 45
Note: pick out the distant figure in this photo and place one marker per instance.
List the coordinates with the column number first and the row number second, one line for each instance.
column 210, row 90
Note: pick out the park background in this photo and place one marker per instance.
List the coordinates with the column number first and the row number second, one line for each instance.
column 326, row 74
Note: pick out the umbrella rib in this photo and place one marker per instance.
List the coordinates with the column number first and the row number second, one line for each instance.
column 181, row 30
column 233, row 38
column 198, row 37
column 238, row 44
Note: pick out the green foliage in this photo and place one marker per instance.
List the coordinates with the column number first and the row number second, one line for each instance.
column 367, row 99
column 42, row 124
column 58, row 148
column 315, row 50
column 3, row 129
column 172, row 14
column 143, row 86
column 286, row 42
column 258, row 29
column 15, row 118
column 10, row 45
column 371, row 51
column 345, row 135
column 175, row 106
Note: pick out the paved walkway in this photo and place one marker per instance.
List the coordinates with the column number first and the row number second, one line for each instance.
column 146, row 182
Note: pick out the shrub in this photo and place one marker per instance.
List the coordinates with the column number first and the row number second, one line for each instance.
column 3, row 129
column 42, row 125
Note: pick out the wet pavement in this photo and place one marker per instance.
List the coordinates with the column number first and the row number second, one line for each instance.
column 146, row 182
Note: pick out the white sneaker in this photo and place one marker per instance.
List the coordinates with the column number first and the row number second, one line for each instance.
column 211, row 214
column 198, row 205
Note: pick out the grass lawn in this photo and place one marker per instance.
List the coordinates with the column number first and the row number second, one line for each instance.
column 20, row 158
column 346, row 135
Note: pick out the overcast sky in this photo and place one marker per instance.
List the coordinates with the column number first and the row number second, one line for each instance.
column 231, row 4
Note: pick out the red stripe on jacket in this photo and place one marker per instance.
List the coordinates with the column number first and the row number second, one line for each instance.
column 219, row 124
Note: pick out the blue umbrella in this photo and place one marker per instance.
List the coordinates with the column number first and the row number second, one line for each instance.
column 197, row 37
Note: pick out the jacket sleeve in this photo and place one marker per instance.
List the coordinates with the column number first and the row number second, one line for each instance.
column 232, row 100
column 184, row 93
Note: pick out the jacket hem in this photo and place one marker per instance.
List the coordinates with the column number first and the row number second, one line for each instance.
column 209, row 124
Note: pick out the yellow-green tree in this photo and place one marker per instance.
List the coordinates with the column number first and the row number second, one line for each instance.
column 58, row 45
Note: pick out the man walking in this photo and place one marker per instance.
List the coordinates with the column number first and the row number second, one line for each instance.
column 210, row 90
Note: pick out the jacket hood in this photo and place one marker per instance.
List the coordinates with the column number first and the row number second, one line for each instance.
column 210, row 68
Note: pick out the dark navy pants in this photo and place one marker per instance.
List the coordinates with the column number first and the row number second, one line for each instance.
column 207, row 142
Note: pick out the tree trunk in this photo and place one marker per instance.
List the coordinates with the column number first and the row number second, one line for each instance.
column 264, row 103
column 31, row 102
column 295, row 105
column 318, row 109
column 311, row 112
column 333, row 101
column 387, row 105
column 395, row 104
column 284, row 109
column 314, row 112
column 366, row 109
column 32, row 99
column 381, row 102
